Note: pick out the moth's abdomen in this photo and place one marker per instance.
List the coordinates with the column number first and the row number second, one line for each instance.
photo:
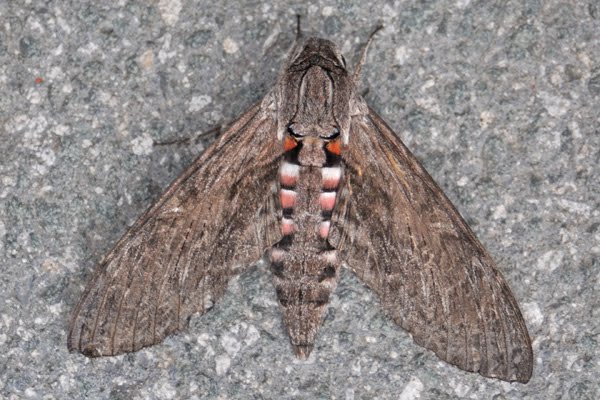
column 304, row 264
column 304, row 282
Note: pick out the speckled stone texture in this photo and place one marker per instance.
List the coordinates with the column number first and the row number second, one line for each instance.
column 500, row 100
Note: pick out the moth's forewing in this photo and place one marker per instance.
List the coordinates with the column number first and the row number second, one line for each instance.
column 404, row 239
column 177, row 258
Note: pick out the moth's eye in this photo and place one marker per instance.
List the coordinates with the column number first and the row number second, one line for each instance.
column 334, row 134
column 293, row 133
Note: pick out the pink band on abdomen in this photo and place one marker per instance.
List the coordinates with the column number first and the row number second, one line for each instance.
column 327, row 200
column 331, row 177
column 324, row 229
column 287, row 226
column 288, row 198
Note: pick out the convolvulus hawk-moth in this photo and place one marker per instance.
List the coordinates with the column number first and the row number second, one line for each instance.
column 311, row 179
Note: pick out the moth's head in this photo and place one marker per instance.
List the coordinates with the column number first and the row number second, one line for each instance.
column 314, row 51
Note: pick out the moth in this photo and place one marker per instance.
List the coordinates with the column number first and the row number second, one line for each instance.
column 310, row 179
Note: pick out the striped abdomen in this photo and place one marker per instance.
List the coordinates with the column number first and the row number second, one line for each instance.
column 304, row 264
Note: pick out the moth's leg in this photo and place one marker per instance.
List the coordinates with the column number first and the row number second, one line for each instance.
column 216, row 130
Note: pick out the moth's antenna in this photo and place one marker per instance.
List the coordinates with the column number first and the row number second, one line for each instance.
column 363, row 54
column 298, row 27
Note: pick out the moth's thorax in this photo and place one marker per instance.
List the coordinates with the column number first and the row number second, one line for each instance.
column 315, row 90
column 314, row 116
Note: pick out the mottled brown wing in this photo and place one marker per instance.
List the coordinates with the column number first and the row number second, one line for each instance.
column 177, row 258
column 401, row 235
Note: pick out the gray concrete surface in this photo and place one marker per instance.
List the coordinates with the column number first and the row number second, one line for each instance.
column 499, row 99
